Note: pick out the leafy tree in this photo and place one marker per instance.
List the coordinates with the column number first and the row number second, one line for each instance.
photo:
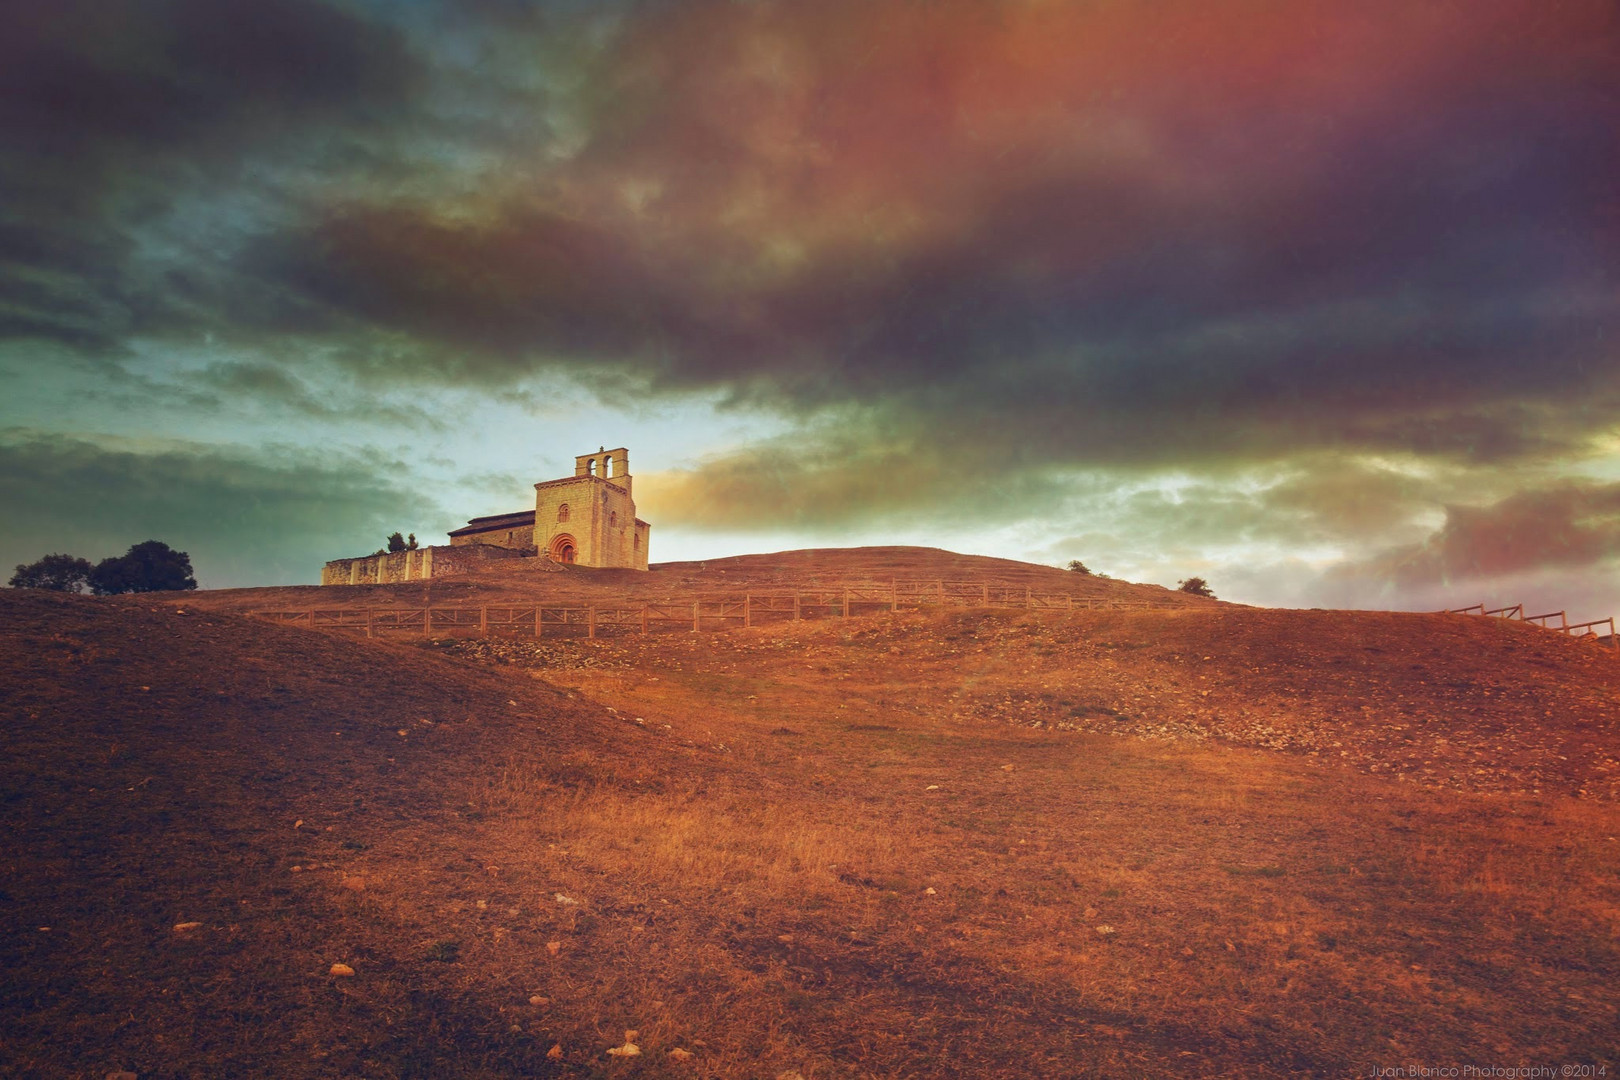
column 58, row 573
column 150, row 566
column 1197, row 586
column 396, row 542
column 1079, row 567
column 410, row 542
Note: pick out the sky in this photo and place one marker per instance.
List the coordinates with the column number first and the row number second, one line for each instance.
column 1318, row 301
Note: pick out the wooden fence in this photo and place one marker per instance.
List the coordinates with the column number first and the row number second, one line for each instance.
column 1588, row 629
column 702, row 613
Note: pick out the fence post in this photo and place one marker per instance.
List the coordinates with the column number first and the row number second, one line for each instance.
column 695, row 615
column 894, row 594
column 748, row 610
column 590, row 621
column 483, row 622
column 795, row 607
column 643, row 618
column 846, row 604
column 370, row 617
column 312, row 618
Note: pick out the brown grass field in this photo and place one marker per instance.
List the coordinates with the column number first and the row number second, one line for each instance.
column 1209, row 841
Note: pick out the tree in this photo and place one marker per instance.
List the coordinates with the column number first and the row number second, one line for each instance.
column 1197, row 586
column 150, row 566
column 396, row 542
column 58, row 573
column 1079, row 567
column 410, row 542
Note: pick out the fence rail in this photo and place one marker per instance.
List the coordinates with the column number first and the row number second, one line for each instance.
column 1588, row 629
column 700, row 613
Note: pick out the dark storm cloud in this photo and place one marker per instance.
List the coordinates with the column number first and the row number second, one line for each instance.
column 1386, row 246
column 113, row 112
column 273, row 517
column 968, row 248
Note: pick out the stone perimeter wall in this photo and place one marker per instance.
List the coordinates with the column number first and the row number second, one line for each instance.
column 397, row 566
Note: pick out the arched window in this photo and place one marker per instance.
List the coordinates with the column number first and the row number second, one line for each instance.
column 590, row 467
column 638, row 540
column 613, row 519
column 562, row 512
column 607, row 466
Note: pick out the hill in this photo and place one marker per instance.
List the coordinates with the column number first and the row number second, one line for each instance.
column 529, row 580
column 982, row 843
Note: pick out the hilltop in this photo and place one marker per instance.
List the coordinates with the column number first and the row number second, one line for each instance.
column 1206, row 840
column 529, row 580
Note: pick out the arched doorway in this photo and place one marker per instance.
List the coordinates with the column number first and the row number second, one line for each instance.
column 562, row 548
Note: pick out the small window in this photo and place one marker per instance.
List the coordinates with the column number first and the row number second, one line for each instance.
column 562, row 512
column 590, row 467
column 638, row 540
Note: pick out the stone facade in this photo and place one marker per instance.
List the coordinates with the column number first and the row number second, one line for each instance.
column 588, row 519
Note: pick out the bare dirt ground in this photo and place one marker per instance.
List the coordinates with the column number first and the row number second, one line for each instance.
column 1209, row 842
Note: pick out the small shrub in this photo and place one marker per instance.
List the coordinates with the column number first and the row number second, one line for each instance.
column 1196, row 586
column 1078, row 567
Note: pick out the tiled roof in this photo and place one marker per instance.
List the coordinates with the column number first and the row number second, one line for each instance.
column 496, row 521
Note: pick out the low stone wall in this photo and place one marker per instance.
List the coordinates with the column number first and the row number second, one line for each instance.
column 398, row 566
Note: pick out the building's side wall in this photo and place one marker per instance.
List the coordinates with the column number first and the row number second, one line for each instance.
column 517, row 537
column 638, row 544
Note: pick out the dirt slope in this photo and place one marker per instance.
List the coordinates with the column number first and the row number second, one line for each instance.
column 155, row 768
column 908, row 845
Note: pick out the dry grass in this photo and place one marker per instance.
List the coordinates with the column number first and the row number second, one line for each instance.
column 800, row 849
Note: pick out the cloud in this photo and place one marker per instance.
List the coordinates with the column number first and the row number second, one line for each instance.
column 115, row 115
column 1571, row 526
column 1279, row 229
column 268, row 517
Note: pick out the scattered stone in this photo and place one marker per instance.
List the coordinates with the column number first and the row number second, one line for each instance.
column 629, row 1049
column 1105, row 930
column 631, row 1035
column 555, row 1053
column 1006, row 768
column 786, row 939
column 681, row 1055
column 931, row 787
column 566, row 901
column 538, row 1000
column 930, row 891
column 342, row 971
column 553, row 947
column 182, row 927
column 354, row 884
